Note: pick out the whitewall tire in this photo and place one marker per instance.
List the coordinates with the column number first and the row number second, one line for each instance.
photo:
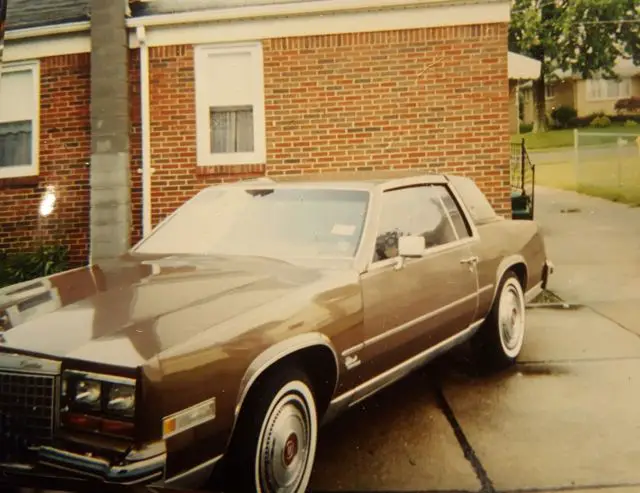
column 499, row 340
column 511, row 318
column 274, row 448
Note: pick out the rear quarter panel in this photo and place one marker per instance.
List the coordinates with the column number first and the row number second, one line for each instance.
column 502, row 244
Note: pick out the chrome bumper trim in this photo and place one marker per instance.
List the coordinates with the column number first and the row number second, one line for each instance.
column 550, row 266
column 546, row 272
column 81, row 466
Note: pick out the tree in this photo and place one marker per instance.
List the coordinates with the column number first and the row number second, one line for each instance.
column 585, row 37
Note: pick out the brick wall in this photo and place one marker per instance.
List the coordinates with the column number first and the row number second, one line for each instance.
column 176, row 177
column 135, row 145
column 64, row 156
column 428, row 98
column 435, row 99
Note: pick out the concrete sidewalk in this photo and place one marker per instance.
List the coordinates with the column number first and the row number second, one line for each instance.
column 595, row 245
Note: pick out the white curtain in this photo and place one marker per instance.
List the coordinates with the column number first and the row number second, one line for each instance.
column 231, row 130
column 15, row 144
column 244, row 130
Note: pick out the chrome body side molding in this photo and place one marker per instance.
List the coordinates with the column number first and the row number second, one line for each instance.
column 377, row 383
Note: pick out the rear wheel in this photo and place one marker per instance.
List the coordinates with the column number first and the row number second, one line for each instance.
column 500, row 339
column 273, row 449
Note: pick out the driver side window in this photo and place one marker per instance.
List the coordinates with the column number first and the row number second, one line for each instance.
column 415, row 211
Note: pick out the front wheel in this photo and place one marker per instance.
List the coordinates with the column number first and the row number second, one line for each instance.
column 274, row 447
column 500, row 338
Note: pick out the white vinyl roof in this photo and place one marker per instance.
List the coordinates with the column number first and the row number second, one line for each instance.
column 523, row 68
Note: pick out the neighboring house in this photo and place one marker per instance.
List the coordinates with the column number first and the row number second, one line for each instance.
column 241, row 89
column 588, row 96
column 521, row 68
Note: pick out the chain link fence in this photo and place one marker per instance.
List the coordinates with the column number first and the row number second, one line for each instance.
column 607, row 163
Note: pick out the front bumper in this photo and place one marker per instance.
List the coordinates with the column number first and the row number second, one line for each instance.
column 61, row 464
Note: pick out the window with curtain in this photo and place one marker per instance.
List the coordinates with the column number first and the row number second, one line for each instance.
column 19, row 101
column 232, row 129
column 230, row 120
column 608, row 89
column 15, row 144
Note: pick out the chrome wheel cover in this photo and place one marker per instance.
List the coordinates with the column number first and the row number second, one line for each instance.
column 286, row 446
column 511, row 318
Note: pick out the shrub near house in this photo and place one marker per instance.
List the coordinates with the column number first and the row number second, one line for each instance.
column 563, row 115
column 628, row 105
column 25, row 266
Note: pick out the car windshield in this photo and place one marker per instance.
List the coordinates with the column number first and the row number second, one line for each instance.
column 285, row 223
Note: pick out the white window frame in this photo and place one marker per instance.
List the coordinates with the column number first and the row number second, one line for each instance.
column 203, row 137
column 603, row 89
column 34, row 168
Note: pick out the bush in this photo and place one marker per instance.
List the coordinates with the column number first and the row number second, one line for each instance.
column 526, row 128
column 631, row 123
column 584, row 121
column 630, row 105
column 563, row 115
column 24, row 266
column 601, row 122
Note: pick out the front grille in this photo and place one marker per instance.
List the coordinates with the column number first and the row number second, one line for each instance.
column 27, row 413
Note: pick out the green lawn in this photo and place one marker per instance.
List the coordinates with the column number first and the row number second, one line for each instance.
column 597, row 178
column 564, row 138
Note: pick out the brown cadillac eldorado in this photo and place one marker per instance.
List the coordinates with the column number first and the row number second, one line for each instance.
column 254, row 313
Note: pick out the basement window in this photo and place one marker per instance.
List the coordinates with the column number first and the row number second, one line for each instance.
column 19, row 120
column 230, row 117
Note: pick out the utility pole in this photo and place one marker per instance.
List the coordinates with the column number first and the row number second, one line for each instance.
column 110, row 175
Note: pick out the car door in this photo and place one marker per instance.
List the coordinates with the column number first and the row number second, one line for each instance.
column 431, row 298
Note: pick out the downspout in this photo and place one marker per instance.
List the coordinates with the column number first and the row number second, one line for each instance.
column 145, row 118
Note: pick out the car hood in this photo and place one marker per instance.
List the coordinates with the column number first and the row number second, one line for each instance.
column 128, row 313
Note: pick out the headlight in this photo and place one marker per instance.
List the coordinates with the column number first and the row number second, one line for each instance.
column 88, row 393
column 122, row 399
column 104, row 395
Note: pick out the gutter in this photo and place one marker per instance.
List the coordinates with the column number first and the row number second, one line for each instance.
column 309, row 7
column 35, row 32
column 145, row 118
column 312, row 7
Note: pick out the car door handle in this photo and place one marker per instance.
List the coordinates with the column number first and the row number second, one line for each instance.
column 470, row 260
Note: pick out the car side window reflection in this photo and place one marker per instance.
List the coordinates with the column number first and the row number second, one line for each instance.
column 411, row 211
column 459, row 222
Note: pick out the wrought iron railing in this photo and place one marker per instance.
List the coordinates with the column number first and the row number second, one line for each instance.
column 523, row 172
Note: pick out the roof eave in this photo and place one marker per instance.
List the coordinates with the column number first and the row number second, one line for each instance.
column 310, row 7
column 48, row 30
column 522, row 67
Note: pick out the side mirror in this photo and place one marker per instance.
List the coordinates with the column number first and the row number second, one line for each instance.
column 411, row 246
